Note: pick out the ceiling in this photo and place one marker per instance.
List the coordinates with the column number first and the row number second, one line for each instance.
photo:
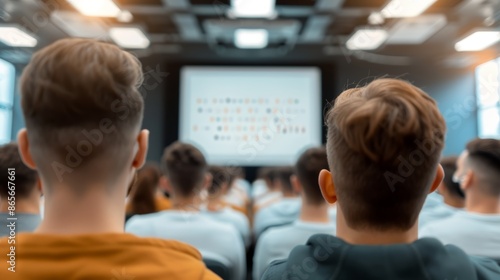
column 304, row 31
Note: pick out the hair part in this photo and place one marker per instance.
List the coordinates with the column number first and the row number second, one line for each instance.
column 383, row 143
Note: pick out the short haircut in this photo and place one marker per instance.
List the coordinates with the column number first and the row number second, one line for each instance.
column 220, row 176
column 383, row 143
column 449, row 165
column 185, row 167
column 24, row 178
column 307, row 169
column 81, row 103
column 484, row 158
column 283, row 174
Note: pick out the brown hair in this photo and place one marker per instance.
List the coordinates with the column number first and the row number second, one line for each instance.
column 307, row 168
column 383, row 144
column 449, row 165
column 142, row 196
column 283, row 174
column 220, row 176
column 24, row 178
column 185, row 167
column 81, row 102
column 484, row 157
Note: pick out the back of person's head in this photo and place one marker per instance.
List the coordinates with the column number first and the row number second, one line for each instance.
column 185, row 168
column 220, row 180
column 282, row 179
column 23, row 179
column 383, row 143
column 307, row 169
column 483, row 160
column 142, row 196
column 453, row 189
column 83, row 111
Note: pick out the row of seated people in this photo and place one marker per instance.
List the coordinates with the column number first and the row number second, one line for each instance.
column 83, row 115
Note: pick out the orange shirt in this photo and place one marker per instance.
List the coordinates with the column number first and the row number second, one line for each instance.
column 100, row 256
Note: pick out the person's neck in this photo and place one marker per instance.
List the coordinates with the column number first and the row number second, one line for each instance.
column 454, row 202
column 29, row 205
column 185, row 203
column 314, row 213
column 370, row 236
column 96, row 210
column 476, row 202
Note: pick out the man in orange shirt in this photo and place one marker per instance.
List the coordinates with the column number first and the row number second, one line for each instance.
column 83, row 114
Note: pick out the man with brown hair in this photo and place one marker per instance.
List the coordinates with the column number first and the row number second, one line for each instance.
column 384, row 142
column 83, row 114
column 22, row 193
column 185, row 176
column 477, row 229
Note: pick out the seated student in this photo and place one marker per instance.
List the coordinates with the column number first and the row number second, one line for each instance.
column 259, row 186
column 272, row 194
column 22, row 193
column 83, row 114
column 453, row 197
column 285, row 211
column 235, row 195
column 146, row 196
column 216, row 208
column 477, row 229
column 185, row 171
column 383, row 143
column 276, row 243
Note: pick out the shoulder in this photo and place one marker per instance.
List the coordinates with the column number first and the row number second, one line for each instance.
column 276, row 270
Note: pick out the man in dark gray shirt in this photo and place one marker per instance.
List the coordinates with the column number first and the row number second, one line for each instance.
column 19, row 193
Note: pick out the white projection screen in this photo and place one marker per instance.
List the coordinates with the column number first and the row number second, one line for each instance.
column 251, row 116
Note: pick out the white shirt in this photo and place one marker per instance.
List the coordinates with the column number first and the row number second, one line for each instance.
column 259, row 187
column 232, row 217
column 280, row 213
column 436, row 213
column 267, row 199
column 476, row 234
column 277, row 243
column 197, row 230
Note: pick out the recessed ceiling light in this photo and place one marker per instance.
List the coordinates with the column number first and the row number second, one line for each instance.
column 406, row 8
column 478, row 41
column 96, row 8
column 253, row 8
column 367, row 39
column 251, row 38
column 129, row 37
column 15, row 37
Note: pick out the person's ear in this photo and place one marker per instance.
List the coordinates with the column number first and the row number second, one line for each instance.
column 165, row 184
column 327, row 187
column 467, row 180
column 296, row 186
column 24, row 148
column 142, row 151
column 437, row 179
